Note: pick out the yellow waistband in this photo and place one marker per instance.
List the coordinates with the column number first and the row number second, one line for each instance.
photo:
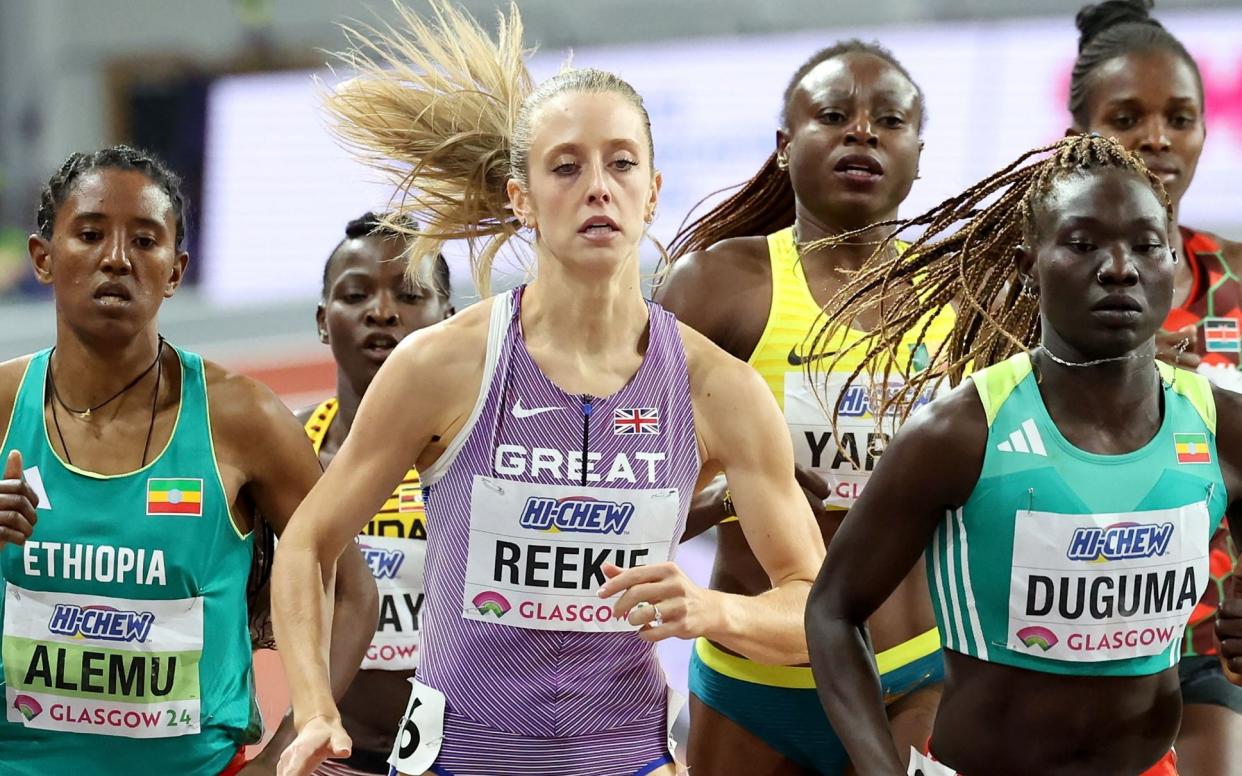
column 799, row 677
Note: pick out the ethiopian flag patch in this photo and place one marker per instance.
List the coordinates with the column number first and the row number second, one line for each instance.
column 175, row 496
column 1192, row 448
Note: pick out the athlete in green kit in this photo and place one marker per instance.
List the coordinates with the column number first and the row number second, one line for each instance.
column 134, row 472
column 1064, row 495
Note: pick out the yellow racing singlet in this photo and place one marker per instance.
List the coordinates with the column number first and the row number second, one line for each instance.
column 394, row 544
column 781, row 358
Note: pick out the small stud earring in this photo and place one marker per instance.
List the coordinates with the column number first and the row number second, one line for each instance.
column 782, row 161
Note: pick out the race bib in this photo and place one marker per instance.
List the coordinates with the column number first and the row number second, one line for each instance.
column 397, row 566
column 537, row 551
column 421, row 731
column 102, row 666
column 1087, row 588
column 845, row 467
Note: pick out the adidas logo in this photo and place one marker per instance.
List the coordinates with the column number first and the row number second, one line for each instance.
column 1024, row 440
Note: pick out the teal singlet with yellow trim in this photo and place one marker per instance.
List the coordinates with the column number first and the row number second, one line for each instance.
column 124, row 620
column 1070, row 562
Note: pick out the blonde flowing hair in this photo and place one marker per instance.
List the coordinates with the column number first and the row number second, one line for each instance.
column 446, row 111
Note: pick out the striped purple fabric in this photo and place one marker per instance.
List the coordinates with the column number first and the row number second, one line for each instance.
column 337, row 768
column 550, row 701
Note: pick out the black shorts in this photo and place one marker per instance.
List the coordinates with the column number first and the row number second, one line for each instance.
column 1203, row 681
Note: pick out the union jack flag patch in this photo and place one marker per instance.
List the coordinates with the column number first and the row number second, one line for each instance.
column 636, row 420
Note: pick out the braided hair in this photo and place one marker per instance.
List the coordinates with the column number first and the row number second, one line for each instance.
column 765, row 203
column 1112, row 29
column 965, row 255
column 118, row 157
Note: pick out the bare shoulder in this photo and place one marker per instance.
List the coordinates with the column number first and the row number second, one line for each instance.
column 710, row 364
column 955, row 421
column 450, row 351
column 721, row 384
column 723, row 265
column 939, row 450
column 240, row 406
column 720, row 292
column 11, row 374
column 1229, row 434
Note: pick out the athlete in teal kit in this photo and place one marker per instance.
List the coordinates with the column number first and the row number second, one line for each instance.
column 133, row 474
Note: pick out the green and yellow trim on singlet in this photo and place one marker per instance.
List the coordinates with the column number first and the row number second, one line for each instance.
column 890, row 662
column 402, row 515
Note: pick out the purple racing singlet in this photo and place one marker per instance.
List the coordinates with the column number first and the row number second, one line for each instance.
column 537, row 492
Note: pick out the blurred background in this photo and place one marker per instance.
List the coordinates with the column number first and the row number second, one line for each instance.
column 224, row 91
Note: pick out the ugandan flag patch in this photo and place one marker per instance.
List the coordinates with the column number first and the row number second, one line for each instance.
column 1192, row 448
column 175, row 496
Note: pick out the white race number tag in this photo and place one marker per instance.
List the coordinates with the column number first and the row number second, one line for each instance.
column 421, row 731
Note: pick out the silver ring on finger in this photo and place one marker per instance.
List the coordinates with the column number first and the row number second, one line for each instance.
column 657, row 620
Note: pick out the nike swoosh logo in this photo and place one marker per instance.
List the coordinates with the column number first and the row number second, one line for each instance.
column 522, row 412
column 796, row 360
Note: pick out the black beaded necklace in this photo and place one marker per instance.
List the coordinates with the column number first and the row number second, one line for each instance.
column 85, row 414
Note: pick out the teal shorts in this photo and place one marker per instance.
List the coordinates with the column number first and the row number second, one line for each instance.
column 768, row 701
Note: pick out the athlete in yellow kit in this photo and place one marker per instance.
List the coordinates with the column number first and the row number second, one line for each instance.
column 368, row 306
column 846, row 157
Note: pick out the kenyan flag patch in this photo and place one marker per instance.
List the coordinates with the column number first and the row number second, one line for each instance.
column 1221, row 335
column 175, row 496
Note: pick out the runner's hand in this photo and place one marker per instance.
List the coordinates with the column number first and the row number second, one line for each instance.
column 685, row 608
column 1229, row 631
column 17, row 503
column 318, row 740
column 814, row 487
column 817, row 491
column 1169, row 347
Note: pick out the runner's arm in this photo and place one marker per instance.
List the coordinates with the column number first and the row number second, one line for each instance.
column 278, row 475
column 699, row 288
column 742, row 432
column 1229, row 448
column 423, row 382
column 933, row 462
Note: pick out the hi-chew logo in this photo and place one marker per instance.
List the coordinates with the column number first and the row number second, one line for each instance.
column 1120, row 541
column 491, row 602
column 859, row 400
column 27, row 706
column 1037, row 636
column 384, row 564
column 577, row 514
column 101, row 623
